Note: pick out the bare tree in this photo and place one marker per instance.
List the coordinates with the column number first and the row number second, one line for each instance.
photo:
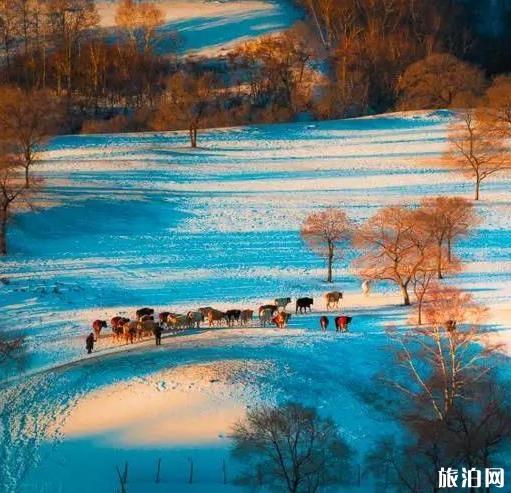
column 446, row 219
column 12, row 189
column 187, row 103
column 140, row 21
column 447, row 396
column 27, row 120
column 70, row 21
column 498, row 100
column 439, row 81
column 439, row 357
column 476, row 148
column 291, row 448
column 423, row 281
column 324, row 232
column 394, row 248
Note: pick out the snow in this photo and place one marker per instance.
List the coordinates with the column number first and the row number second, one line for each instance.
column 210, row 28
column 141, row 220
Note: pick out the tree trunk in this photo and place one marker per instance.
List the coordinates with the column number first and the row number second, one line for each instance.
column 330, row 261
column 193, row 136
column 27, row 178
column 449, row 249
column 478, row 187
column 3, row 234
column 406, row 296
column 439, row 262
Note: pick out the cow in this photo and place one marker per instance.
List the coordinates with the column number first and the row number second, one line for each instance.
column 282, row 302
column 144, row 318
column 97, row 325
column 176, row 321
column 215, row 317
column 273, row 308
column 265, row 316
column 162, row 317
column 280, row 319
column 342, row 322
column 146, row 328
column 117, row 326
column 195, row 318
column 232, row 316
column 323, row 321
column 130, row 330
column 332, row 299
column 304, row 303
column 246, row 316
column 204, row 311
column 144, row 311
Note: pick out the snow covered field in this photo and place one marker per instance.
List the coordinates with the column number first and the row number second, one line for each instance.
column 211, row 27
column 142, row 220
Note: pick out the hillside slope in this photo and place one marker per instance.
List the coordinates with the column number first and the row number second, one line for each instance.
column 142, row 220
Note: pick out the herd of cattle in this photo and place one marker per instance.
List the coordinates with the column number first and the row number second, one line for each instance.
column 145, row 323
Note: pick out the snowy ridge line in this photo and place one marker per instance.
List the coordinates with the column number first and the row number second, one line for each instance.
column 138, row 347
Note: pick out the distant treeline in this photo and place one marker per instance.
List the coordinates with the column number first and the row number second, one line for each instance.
column 371, row 43
column 347, row 58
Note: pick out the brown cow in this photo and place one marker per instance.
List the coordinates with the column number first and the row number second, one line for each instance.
column 332, row 299
column 117, row 326
column 342, row 323
column 323, row 321
column 176, row 321
column 97, row 325
column 215, row 316
column 273, row 309
column 246, row 316
column 130, row 331
column 204, row 311
column 280, row 319
column 146, row 328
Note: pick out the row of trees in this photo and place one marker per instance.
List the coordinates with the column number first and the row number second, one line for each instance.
column 378, row 48
column 353, row 57
column 442, row 390
column 410, row 247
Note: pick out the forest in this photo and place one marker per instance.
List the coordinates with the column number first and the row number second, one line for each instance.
column 345, row 58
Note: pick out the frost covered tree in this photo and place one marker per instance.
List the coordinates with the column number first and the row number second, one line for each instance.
column 187, row 103
column 444, row 392
column 324, row 232
column 393, row 248
column 27, row 121
column 476, row 148
column 446, row 219
column 140, row 22
column 498, row 100
column 290, row 448
column 12, row 190
column 439, row 81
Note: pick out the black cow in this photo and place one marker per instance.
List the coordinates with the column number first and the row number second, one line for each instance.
column 144, row 311
column 232, row 316
column 303, row 303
